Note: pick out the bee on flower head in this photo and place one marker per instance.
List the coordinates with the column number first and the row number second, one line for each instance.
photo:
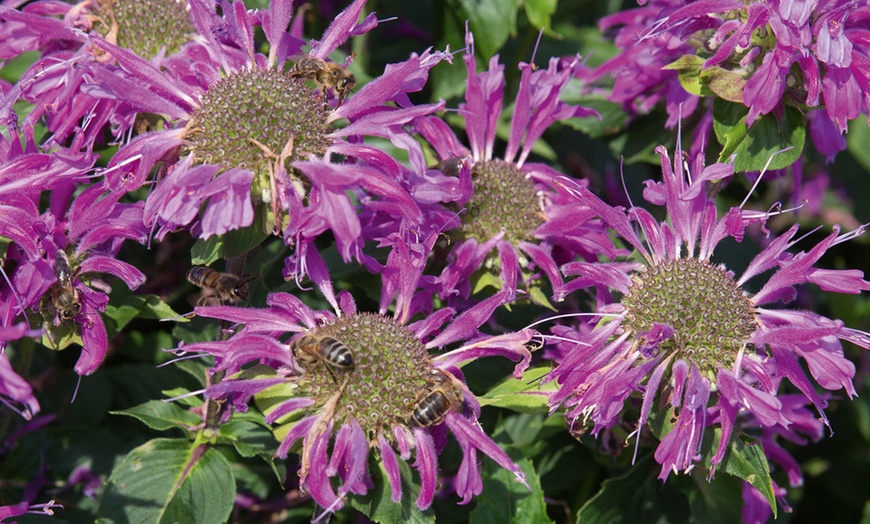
column 328, row 75
column 433, row 405
column 311, row 350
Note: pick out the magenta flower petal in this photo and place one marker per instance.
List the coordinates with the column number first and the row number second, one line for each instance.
column 426, row 466
column 391, row 466
column 15, row 389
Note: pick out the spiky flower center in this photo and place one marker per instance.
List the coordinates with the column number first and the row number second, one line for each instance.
column 144, row 26
column 388, row 375
column 504, row 200
column 248, row 119
column 711, row 318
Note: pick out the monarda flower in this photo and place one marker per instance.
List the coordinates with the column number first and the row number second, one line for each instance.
column 246, row 137
column 765, row 55
column 56, row 251
column 156, row 30
column 350, row 384
column 685, row 335
column 510, row 205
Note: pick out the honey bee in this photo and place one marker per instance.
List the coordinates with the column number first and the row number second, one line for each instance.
column 67, row 299
column 310, row 349
column 451, row 166
column 328, row 75
column 228, row 287
column 434, row 405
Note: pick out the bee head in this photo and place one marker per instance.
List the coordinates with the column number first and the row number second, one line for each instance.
column 71, row 312
column 240, row 292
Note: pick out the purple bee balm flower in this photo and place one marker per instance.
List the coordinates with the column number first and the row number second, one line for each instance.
column 255, row 139
column 753, row 49
column 53, row 84
column 641, row 81
column 52, row 251
column 508, row 205
column 687, row 332
column 348, row 382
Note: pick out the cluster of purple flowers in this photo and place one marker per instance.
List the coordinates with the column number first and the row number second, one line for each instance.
column 208, row 134
column 765, row 55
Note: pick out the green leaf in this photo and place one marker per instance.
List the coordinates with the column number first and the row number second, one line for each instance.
column 117, row 316
column 718, row 501
column 378, row 504
column 638, row 142
column 231, row 244
column 125, row 306
column 491, row 22
column 540, row 12
column 747, row 462
column 525, row 395
column 4, row 245
column 506, row 500
column 168, row 481
column 15, row 67
column 857, row 139
column 484, row 280
column 184, row 397
column 248, row 437
column 762, row 142
column 537, row 296
column 161, row 415
column 154, row 308
column 612, row 120
column 633, row 497
column 528, row 431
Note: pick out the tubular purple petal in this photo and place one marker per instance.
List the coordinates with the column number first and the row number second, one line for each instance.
column 299, row 430
column 426, row 466
column 103, row 264
column 391, row 466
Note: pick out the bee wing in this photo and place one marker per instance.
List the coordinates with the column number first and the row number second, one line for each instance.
column 306, row 63
column 62, row 269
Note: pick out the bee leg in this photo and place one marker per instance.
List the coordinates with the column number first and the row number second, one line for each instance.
column 325, row 97
column 331, row 373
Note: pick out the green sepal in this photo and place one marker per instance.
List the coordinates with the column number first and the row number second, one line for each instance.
column 61, row 336
column 708, row 81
